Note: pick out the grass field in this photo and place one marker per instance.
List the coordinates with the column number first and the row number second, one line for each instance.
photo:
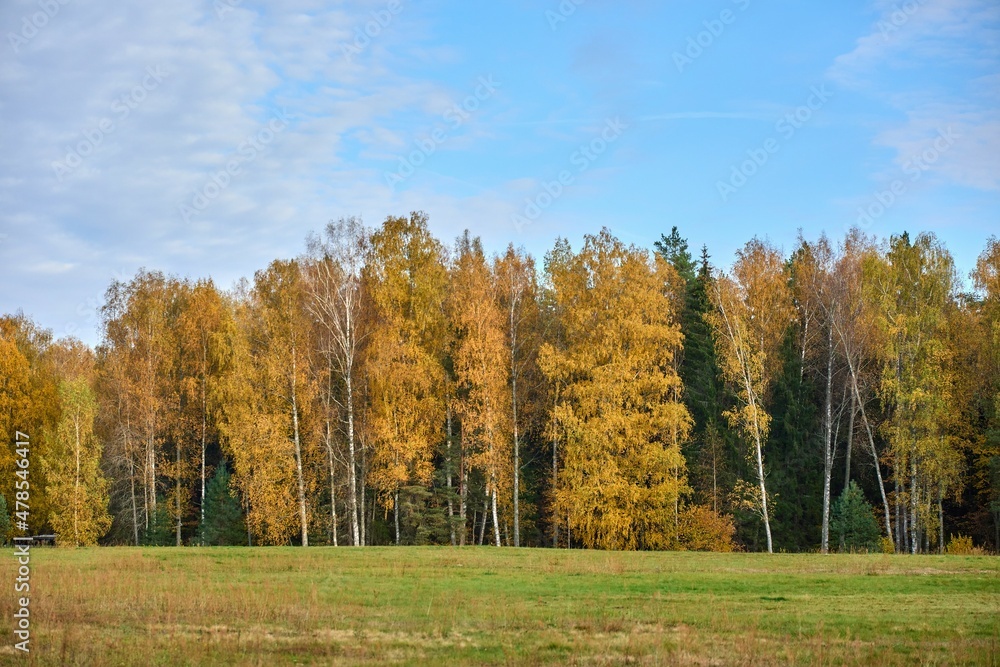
column 443, row 606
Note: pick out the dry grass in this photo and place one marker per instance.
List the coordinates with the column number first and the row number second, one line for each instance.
column 485, row 606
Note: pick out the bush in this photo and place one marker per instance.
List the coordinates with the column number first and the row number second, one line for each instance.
column 854, row 521
column 702, row 529
column 960, row 545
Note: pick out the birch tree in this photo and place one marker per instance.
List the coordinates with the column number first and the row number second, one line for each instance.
column 854, row 328
column 266, row 416
column 77, row 489
column 481, row 368
column 913, row 287
column 753, row 309
column 518, row 293
column 406, row 276
column 333, row 278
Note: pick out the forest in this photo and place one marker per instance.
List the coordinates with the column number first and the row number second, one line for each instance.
column 387, row 388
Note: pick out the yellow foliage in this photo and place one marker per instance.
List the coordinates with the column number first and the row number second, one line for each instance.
column 620, row 415
column 702, row 529
column 960, row 545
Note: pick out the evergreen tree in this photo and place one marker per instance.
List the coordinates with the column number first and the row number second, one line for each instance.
column 854, row 521
column 709, row 452
column 159, row 532
column 223, row 524
column 796, row 478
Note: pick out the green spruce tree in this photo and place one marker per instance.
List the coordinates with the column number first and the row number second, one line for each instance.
column 224, row 524
column 854, row 521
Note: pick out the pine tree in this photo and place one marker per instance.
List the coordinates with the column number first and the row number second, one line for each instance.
column 223, row 524
column 853, row 521
column 709, row 450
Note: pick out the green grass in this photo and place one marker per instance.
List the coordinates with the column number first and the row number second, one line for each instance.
column 443, row 606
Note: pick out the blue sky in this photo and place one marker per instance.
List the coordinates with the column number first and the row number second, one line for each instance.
column 208, row 137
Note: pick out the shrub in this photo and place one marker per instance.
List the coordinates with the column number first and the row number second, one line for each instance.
column 960, row 545
column 854, row 521
column 702, row 529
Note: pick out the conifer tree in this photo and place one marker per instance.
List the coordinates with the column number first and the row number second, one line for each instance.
column 223, row 524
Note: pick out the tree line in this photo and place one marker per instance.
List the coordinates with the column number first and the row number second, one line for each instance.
column 383, row 388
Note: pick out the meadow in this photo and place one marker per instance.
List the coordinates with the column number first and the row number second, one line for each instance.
column 487, row 606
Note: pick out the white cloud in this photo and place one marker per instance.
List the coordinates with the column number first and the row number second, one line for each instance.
column 81, row 88
column 958, row 41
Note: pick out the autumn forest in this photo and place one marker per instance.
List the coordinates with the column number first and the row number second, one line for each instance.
column 385, row 387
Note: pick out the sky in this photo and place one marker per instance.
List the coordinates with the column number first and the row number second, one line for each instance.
column 210, row 137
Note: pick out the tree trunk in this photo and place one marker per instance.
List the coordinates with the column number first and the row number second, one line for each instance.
column 463, row 493
column 871, row 442
column 914, row 537
column 486, row 514
column 496, row 524
column 135, row 511
column 517, row 461
column 899, row 519
column 555, row 476
column 395, row 515
column 758, row 447
column 177, row 492
column 333, row 485
column 914, row 534
column 763, row 492
column 298, row 458
column 364, row 468
column 940, row 521
column 204, row 427
column 827, row 445
column 448, row 468
column 76, row 486
column 352, row 464
column 151, row 467
column 850, row 442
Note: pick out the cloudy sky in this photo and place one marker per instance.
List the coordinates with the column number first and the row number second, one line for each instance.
column 208, row 137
